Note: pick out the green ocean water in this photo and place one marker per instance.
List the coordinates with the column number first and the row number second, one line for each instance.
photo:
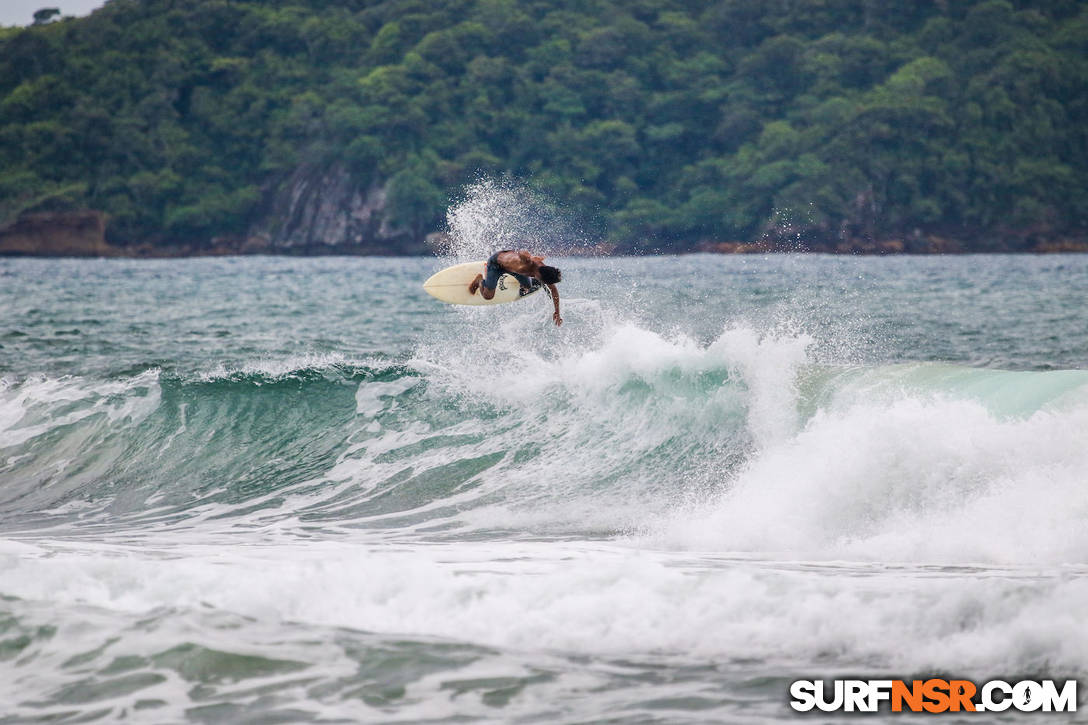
column 301, row 490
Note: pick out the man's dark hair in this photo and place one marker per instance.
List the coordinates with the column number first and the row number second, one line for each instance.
column 550, row 275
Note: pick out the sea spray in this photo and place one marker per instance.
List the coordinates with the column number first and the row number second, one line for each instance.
column 493, row 214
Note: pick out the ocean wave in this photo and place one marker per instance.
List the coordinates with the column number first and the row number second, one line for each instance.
column 140, row 443
column 325, row 366
column 742, row 444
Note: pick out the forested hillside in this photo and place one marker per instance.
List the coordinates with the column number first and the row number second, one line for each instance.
column 660, row 124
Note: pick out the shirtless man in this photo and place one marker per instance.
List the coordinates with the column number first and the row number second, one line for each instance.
column 522, row 266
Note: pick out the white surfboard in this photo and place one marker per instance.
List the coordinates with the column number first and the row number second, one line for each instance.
column 451, row 285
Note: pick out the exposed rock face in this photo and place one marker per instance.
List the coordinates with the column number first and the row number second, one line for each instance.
column 314, row 211
column 58, row 234
column 326, row 211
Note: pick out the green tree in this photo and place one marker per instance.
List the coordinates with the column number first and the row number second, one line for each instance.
column 414, row 200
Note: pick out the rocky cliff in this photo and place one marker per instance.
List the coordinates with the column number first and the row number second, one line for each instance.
column 327, row 211
column 313, row 211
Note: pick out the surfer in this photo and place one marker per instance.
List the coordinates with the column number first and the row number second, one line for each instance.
column 522, row 266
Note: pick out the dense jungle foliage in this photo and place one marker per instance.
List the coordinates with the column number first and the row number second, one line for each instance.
column 661, row 123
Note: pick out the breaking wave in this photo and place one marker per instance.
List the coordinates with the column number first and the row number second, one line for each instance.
column 740, row 445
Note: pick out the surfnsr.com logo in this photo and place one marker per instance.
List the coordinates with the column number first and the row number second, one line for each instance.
column 933, row 695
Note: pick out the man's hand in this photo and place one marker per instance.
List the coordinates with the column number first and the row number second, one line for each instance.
column 475, row 284
column 557, row 318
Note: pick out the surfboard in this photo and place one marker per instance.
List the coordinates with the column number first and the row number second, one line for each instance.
column 451, row 285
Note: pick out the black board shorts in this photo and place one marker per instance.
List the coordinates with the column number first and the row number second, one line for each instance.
column 496, row 270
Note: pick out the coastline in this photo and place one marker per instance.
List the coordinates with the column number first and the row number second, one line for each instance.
column 84, row 233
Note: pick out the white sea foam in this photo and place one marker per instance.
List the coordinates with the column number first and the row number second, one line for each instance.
column 601, row 600
column 38, row 404
column 278, row 367
column 910, row 476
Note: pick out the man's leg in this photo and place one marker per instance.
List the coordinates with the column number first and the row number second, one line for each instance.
column 491, row 281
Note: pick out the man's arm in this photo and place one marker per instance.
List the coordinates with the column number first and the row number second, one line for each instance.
column 555, row 298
